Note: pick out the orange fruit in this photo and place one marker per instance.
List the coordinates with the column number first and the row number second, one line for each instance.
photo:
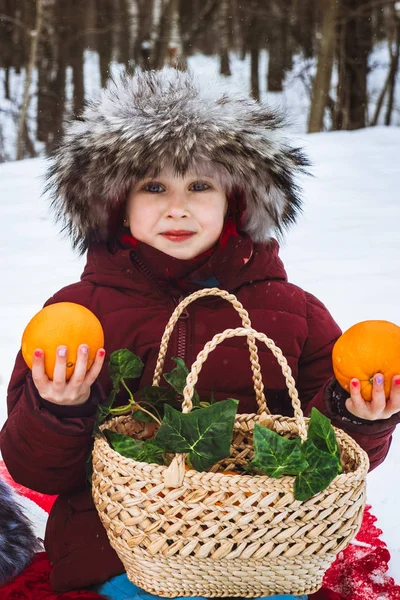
column 62, row 324
column 367, row 348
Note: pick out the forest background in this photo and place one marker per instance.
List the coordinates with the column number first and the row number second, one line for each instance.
column 325, row 51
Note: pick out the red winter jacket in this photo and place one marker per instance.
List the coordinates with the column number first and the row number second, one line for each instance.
column 45, row 446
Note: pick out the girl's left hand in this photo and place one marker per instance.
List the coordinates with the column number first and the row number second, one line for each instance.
column 379, row 407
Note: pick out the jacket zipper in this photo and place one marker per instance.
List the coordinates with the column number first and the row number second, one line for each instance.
column 182, row 324
column 182, row 331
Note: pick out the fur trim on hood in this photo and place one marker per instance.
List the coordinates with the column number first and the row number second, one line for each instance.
column 17, row 540
column 171, row 119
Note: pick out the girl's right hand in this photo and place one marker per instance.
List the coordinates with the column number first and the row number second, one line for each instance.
column 74, row 392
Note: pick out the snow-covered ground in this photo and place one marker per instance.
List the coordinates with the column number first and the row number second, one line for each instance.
column 345, row 249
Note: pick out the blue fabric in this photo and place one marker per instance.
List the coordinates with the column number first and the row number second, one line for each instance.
column 120, row 588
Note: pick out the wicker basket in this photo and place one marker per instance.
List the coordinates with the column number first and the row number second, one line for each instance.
column 186, row 533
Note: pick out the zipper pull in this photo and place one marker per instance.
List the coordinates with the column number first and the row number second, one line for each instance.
column 185, row 313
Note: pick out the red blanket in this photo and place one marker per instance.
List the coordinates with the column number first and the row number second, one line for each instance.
column 359, row 572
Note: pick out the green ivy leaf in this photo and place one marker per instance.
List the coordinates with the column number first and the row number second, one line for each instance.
column 323, row 468
column 321, row 432
column 177, row 379
column 140, row 450
column 275, row 455
column 204, row 434
column 124, row 364
column 102, row 412
column 157, row 397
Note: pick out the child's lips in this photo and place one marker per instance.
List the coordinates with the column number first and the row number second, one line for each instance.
column 180, row 235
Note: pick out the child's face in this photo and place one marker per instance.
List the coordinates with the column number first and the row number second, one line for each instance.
column 181, row 216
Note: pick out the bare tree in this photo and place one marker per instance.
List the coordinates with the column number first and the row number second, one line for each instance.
column 353, row 50
column 322, row 79
column 393, row 37
column 394, row 65
column 105, row 24
column 77, row 19
column 202, row 22
column 144, row 24
column 123, row 33
column 224, row 68
column 168, row 10
column 46, row 66
column 254, row 44
column 35, row 36
column 6, row 45
column 244, row 21
column 278, row 43
column 304, row 24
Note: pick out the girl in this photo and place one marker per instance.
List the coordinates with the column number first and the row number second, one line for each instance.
column 170, row 187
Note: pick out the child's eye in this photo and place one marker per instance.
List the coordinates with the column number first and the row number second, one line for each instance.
column 199, row 186
column 153, row 188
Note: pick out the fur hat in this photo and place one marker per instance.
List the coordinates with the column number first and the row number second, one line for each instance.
column 17, row 539
column 168, row 118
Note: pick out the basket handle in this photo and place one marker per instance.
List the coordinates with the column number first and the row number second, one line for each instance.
column 246, row 323
column 175, row 473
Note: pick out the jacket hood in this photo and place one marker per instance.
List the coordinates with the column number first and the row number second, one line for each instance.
column 172, row 119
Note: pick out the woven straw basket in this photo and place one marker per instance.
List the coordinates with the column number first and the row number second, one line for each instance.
column 186, row 533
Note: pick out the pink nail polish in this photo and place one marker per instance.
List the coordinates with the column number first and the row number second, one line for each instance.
column 354, row 384
column 38, row 353
column 102, row 353
column 397, row 381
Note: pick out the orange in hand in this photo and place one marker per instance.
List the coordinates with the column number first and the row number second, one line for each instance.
column 367, row 348
column 62, row 324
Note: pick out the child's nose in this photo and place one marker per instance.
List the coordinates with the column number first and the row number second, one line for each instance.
column 177, row 205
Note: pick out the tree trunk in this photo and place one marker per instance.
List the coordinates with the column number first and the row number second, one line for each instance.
column 203, row 21
column 187, row 16
column 244, row 21
column 45, row 65
column 254, row 77
column 123, row 41
column 394, row 66
column 176, row 57
column 90, row 25
column 7, row 83
column 105, row 20
column 224, row 67
column 322, row 80
column 234, row 28
column 354, row 47
column 6, row 43
column 254, row 46
column 58, row 74
column 143, row 46
column 35, row 36
column 381, row 98
column 164, row 33
column 305, row 27
column 77, row 20
column 277, row 46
